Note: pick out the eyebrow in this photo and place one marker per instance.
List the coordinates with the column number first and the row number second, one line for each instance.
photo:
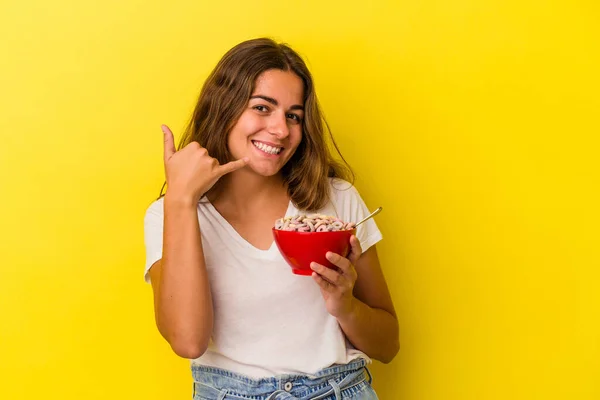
column 275, row 102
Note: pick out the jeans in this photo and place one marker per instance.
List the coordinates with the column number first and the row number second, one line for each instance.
column 349, row 382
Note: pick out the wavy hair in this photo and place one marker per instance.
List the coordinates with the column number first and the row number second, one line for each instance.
column 224, row 97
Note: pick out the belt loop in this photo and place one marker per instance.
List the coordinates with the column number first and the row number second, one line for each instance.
column 222, row 394
column 336, row 389
column 369, row 373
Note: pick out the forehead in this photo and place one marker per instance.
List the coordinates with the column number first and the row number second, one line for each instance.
column 284, row 86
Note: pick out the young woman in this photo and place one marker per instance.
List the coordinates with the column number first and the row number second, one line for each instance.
column 255, row 151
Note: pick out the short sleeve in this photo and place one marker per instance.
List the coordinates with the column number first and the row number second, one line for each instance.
column 153, row 235
column 351, row 208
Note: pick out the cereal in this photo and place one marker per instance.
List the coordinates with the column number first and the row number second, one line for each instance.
column 312, row 223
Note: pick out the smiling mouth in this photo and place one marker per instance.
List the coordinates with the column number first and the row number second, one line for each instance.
column 266, row 148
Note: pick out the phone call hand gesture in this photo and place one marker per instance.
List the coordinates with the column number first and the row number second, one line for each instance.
column 191, row 171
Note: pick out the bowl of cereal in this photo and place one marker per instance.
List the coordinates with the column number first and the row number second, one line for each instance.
column 303, row 239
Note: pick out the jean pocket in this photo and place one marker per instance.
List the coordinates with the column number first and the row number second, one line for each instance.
column 206, row 392
column 198, row 396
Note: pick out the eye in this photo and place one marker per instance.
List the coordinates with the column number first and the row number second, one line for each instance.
column 294, row 117
column 261, row 108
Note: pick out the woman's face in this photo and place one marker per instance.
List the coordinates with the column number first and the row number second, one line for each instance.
column 270, row 128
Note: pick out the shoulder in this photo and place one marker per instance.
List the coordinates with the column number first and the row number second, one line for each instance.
column 350, row 206
column 154, row 214
column 156, row 208
column 345, row 199
column 342, row 189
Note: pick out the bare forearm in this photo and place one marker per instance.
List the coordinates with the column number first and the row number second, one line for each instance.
column 184, row 310
column 371, row 330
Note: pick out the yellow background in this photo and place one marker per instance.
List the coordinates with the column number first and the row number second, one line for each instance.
column 473, row 123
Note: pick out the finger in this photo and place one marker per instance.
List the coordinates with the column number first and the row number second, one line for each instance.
column 232, row 166
column 355, row 249
column 169, row 142
column 346, row 268
column 328, row 274
column 342, row 263
column 323, row 284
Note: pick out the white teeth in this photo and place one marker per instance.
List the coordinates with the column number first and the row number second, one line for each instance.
column 267, row 148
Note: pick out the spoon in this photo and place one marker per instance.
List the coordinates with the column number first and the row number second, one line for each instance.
column 374, row 213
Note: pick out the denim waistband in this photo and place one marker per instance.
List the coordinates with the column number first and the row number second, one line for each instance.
column 220, row 384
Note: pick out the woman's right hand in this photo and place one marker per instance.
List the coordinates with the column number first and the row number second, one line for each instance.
column 191, row 171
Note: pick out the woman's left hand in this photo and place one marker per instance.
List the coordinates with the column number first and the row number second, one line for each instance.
column 337, row 286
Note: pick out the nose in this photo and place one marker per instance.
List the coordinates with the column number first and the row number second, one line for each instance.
column 278, row 125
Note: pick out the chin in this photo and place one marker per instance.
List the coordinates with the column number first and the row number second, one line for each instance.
column 266, row 172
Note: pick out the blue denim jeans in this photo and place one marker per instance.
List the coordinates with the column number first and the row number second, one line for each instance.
column 350, row 381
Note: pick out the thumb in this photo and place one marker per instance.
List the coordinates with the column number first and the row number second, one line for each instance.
column 355, row 249
column 232, row 166
column 169, row 142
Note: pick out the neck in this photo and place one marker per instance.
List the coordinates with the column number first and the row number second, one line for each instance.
column 245, row 190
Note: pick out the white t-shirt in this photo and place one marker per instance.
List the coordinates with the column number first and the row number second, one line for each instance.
column 267, row 321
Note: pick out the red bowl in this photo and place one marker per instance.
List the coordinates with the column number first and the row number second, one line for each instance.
column 299, row 249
